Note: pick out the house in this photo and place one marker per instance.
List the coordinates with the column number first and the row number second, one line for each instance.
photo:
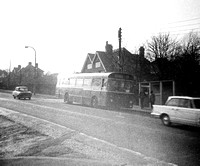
column 3, row 78
column 28, row 75
column 109, row 61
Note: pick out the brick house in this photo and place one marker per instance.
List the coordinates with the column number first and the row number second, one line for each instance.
column 109, row 61
column 26, row 75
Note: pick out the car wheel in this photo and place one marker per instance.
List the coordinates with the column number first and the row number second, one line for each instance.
column 14, row 97
column 18, row 97
column 29, row 98
column 94, row 102
column 166, row 120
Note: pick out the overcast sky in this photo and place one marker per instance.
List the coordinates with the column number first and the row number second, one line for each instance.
column 63, row 32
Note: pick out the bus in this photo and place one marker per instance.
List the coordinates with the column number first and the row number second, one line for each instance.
column 97, row 89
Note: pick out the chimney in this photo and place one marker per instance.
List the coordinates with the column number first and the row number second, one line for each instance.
column 19, row 67
column 29, row 63
column 36, row 65
column 109, row 48
column 141, row 52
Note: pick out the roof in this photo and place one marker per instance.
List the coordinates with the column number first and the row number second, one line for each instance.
column 21, row 86
column 89, row 74
column 184, row 97
column 104, row 59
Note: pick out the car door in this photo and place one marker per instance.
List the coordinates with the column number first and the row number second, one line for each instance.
column 171, row 109
column 185, row 113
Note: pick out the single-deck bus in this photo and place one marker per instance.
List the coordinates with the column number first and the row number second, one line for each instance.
column 97, row 89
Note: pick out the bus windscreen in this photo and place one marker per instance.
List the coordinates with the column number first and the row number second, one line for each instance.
column 120, row 85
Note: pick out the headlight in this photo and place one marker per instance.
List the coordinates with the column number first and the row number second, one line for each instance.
column 111, row 100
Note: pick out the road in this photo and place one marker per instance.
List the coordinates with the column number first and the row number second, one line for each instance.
column 130, row 130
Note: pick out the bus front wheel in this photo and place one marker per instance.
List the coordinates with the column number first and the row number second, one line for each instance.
column 94, row 102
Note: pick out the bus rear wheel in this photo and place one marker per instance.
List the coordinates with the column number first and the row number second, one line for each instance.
column 94, row 102
column 66, row 98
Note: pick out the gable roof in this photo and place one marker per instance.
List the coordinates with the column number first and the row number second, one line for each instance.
column 31, row 67
column 109, row 61
column 89, row 57
column 102, row 58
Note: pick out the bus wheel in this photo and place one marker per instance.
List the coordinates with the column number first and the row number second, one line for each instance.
column 94, row 102
column 66, row 98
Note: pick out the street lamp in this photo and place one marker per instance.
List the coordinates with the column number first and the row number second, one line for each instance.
column 35, row 69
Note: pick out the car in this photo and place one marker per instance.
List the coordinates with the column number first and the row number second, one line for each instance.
column 22, row 92
column 179, row 109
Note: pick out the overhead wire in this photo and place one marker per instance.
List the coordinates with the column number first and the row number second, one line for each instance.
column 176, row 27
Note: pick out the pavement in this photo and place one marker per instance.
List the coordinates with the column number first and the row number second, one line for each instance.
column 26, row 140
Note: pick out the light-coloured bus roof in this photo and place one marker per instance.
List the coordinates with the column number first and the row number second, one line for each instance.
column 89, row 74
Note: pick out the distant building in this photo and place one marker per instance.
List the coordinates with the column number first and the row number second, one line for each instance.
column 3, row 78
column 28, row 75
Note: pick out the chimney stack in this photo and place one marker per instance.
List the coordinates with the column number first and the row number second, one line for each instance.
column 108, row 48
column 141, row 52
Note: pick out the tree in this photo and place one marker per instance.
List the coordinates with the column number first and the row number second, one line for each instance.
column 191, row 46
column 187, row 65
column 162, row 46
column 161, row 50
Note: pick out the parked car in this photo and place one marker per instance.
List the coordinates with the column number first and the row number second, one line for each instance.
column 22, row 92
column 179, row 109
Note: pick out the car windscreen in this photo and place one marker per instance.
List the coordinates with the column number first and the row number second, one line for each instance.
column 23, row 89
column 197, row 103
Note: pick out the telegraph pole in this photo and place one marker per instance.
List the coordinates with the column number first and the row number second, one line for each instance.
column 120, row 56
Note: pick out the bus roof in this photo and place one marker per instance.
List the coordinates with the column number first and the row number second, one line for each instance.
column 94, row 74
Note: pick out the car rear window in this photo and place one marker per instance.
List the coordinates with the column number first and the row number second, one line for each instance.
column 197, row 103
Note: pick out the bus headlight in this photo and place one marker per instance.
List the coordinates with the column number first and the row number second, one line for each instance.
column 111, row 100
column 131, row 102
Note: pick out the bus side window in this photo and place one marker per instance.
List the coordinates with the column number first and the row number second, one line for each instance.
column 87, row 82
column 79, row 82
column 66, row 81
column 63, row 80
column 104, row 83
column 72, row 81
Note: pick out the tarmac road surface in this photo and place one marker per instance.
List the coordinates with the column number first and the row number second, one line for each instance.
column 26, row 140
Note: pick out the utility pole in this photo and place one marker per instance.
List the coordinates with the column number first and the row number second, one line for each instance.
column 120, row 56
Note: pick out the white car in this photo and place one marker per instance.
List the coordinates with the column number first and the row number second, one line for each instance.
column 22, row 92
column 179, row 109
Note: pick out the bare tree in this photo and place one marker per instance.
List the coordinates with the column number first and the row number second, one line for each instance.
column 160, row 51
column 189, row 64
column 191, row 46
column 161, row 46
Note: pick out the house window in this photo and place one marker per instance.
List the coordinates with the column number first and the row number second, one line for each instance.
column 89, row 66
column 97, row 64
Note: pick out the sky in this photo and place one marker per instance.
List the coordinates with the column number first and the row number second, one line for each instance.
column 63, row 32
